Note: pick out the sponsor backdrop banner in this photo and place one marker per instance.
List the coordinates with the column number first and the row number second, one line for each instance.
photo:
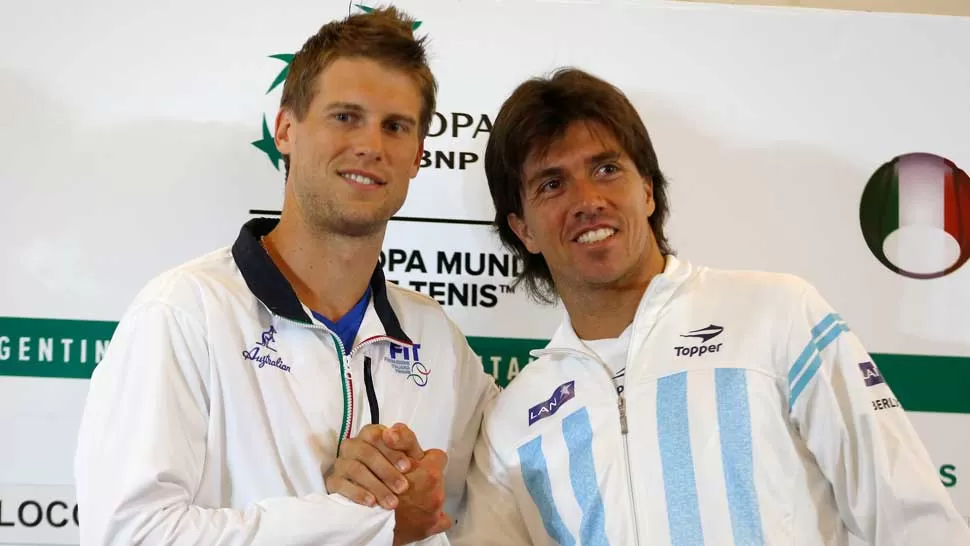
column 136, row 136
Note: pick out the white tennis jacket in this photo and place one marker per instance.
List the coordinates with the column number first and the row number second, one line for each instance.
column 221, row 402
column 751, row 416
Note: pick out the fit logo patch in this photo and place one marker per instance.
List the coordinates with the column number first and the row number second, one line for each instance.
column 407, row 361
column 560, row 396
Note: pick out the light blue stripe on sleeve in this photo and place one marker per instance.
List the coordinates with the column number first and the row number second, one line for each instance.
column 816, row 363
column 830, row 337
column 803, row 381
column 806, row 353
column 734, row 426
column 578, row 432
column 680, row 489
column 824, row 324
column 536, row 476
column 800, row 362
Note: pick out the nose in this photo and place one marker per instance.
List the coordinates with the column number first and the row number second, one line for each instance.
column 587, row 198
column 368, row 142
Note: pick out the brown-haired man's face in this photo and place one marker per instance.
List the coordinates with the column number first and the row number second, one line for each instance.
column 585, row 209
column 353, row 155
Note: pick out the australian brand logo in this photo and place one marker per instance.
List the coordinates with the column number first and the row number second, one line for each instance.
column 560, row 396
column 871, row 374
column 407, row 361
column 263, row 351
column 704, row 334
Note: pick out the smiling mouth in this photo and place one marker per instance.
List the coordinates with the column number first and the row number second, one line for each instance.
column 358, row 178
column 595, row 235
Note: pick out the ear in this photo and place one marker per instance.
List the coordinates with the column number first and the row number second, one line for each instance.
column 417, row 160
column 521, row 230
column 282, row 137
column 648, row 196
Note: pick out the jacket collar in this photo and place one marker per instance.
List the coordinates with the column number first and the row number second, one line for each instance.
column 654, row 299
column 268, row 284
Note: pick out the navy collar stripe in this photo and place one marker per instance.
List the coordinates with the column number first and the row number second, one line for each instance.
column 268, row 284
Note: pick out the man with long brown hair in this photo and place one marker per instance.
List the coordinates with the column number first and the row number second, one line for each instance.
column 250, row 395
column 676, row 404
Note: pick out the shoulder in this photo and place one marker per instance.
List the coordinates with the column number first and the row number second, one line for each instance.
column 406, row 300
column 419, row 313
column 748, row 293
column 764, row 304
column 741, row 283
column 167, row 325
column 189, row 288
column 509, row 411
column 427, row 323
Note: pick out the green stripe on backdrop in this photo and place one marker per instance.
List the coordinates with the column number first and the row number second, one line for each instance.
column 928, row 383
column 70, row 349
column 35, row 347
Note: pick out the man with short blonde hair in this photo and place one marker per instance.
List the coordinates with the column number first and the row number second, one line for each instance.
column 246, row 394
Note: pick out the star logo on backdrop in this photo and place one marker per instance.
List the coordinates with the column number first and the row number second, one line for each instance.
column 267, row 144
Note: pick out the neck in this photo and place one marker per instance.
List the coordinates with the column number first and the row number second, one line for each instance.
column 329, row 272
column 603, row 312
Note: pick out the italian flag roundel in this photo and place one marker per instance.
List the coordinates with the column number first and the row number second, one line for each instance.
column 909, row 206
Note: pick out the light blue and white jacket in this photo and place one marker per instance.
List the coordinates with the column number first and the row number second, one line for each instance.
column 751, row 415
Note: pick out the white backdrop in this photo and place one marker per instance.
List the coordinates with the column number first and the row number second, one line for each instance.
column 126, row 134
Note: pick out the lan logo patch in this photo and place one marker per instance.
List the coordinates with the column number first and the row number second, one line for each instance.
column 871, row 374
column 560, row 396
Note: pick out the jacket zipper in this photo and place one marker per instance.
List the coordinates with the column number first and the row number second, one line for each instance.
column 348, row 388
column 347, row 380
column 346, row 383
column 621, row 406
column 629, row 476
column 375, row 410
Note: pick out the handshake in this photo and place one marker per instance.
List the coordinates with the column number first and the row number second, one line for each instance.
column 387, row 466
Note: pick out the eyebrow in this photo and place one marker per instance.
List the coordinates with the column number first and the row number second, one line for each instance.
column 358, row 108
column 558, row 171
column 603, row 156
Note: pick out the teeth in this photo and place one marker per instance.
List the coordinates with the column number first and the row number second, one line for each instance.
column 596, row 235
column 359, row 178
